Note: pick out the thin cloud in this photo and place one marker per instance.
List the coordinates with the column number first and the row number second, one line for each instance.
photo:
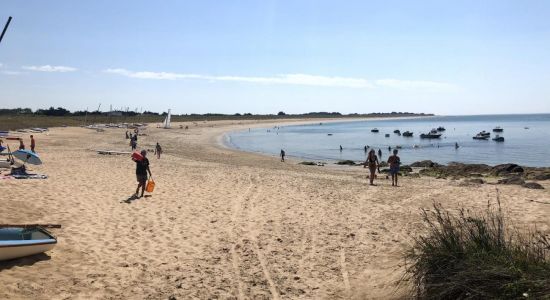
column 293, row 79
column 49, row 68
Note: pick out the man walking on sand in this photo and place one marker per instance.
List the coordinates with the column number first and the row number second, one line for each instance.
column 33, row 143
column 283, row 155
column 142, row 168
column 394, row 161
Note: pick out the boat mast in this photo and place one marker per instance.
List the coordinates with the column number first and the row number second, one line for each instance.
column 5, row 28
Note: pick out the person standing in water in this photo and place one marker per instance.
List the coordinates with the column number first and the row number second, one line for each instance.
column 394, row 161
column 372, row 163
column 283, row 155
column 142, row 168
column 365, row 149
column 158, row 150
column 33, row 143
column 341, row 148
column 380, row 153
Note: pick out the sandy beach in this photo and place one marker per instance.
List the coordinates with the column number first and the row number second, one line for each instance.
column 222, row 224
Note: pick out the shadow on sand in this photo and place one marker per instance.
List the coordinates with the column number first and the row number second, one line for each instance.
column 24, row 261
column 133, row 198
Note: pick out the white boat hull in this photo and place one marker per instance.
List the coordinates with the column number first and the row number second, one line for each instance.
column 17, row 251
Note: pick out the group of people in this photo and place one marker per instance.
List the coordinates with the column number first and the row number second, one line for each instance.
column 22, row 144
column 373, row 164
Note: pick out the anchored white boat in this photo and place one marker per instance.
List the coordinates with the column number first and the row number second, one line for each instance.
column 16, row 242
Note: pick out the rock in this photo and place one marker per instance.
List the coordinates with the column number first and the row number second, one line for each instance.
column 308, row 163
column 172, row 297
column 424, row 164
column 512, row 180
column 346, row 162
column 474, row 181
column 533, row 185
column 506, row 169
column 384, row 170
column 405, row 169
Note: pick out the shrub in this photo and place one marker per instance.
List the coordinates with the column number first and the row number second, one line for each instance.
column 477, row 256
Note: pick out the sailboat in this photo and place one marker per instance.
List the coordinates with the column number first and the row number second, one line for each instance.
column 166, row 123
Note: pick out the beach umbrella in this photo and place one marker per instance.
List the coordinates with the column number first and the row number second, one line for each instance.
column 27, row 157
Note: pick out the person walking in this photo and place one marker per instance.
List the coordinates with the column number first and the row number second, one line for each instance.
column 394, row 161
column 283, row 155
column 33, row 143
column 142, row 168
column 133, row 143
column 372, row 164
column 158, row 150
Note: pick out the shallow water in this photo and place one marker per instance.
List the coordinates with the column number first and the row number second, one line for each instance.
column 527, row 139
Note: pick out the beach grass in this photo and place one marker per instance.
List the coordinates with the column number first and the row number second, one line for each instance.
column 471, row 255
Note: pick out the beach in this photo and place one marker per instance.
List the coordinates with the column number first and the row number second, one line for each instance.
column 221, row 223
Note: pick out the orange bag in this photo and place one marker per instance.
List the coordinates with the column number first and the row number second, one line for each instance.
column 150, row 186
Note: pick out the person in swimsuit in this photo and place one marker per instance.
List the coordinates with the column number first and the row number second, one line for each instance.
column 142, row 168
column 372, row 163
column 33, row 143
column 394, row 161
column 21, row 145
column 158, row 150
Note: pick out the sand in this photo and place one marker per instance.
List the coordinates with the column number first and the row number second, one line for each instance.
column 222, row 224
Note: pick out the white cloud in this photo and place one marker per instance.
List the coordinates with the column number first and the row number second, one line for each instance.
column 293, row 79
column 48, row 68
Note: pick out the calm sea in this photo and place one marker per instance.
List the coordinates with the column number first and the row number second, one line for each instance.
column 527, row 139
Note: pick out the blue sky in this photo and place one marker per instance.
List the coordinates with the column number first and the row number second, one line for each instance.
column 443, row 57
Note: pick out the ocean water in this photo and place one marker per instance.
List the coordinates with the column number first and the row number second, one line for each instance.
column 527, row 139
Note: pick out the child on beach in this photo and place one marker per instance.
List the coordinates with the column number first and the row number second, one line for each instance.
column 394, row 161
column 158, row 150
column 21, row 145
column 33, row 144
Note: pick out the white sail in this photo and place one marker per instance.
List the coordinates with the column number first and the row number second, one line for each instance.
column 166, row 123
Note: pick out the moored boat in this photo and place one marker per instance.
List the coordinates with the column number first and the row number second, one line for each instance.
column 407, row 133
column 374, row 130
column 498, row 138
column 387, row 135
column 498, row 129
column 441, row 128
column 432, row 135
column 479, row 136
column 397, row 131
column 16, row 242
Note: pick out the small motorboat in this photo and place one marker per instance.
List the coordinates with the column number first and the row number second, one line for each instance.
column 374, row 130
column 329, row 134
column 498, row 138
column 432, row 135
column 387, row 135
column 480, row 136
column 397, row 131
column 407, row 133
column 484, row 133
column 441, row 128
column 498, row 129
column 16, row 242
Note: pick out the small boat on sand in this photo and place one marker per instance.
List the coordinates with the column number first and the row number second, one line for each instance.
column 498, row 129
column 498, row 138
column 16, row 242
column 407, row 133
column 432, row 135
column 374, row 130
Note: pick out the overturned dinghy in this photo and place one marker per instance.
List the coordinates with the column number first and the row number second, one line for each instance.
column 16, row 242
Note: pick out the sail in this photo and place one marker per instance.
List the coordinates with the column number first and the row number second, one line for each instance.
column 166, row 123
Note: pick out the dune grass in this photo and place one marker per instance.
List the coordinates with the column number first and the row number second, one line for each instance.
column 477, row 255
